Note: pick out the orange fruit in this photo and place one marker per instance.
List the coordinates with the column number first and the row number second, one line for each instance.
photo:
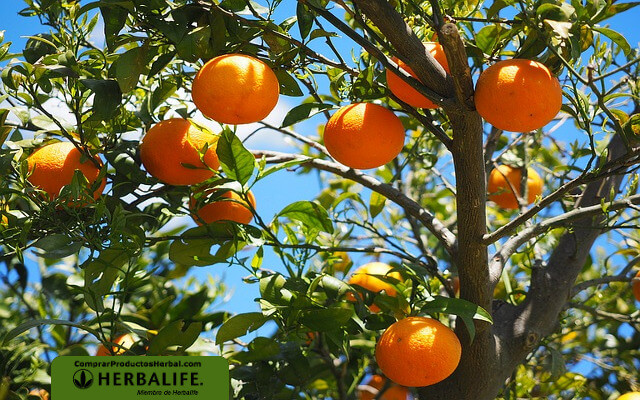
column 635, row 286
column 52, row 167
column 501, row 193
column 403, row 90
column 170, row 152
column 235, row 89
column 234, row 209
column 393, row 392
column 43, row 394
column 630, row 396
column 365, row 277
column 418, row 351
column 123, row 343
column 518, row 95
column 364, row 135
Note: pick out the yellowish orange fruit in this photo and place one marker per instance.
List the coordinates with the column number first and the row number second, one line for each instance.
column 170, row 152
column 377, row 382
column 235, row 89
column 43, row 394
column 418, row 351
column 52, row 167
column 227, row 206
column 630, row 396
column 518, row 95
column 367, row 277
column 504, row 178
column 635, row 286
column 364, row 135
column 122, row 344
column 403, row 90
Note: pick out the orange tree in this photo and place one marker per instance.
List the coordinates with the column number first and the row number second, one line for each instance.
column 545, row 305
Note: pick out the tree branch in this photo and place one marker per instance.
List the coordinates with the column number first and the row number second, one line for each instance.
column 420, row 60
column 437, row 228
column 616, row 166
column 521, row 327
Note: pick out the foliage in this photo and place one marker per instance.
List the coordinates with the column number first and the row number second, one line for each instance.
column 119, row 264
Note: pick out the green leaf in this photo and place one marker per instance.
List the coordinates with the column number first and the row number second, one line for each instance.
column 107, row 96
column 557, row 365
column 334, row 286
column 236, row 161
column 194, row 246
column 554, row 12
column 256, row 262
column 100, row 273
column 278, row 167
column 288, row 84
column 114, row 17
column 312, row 215
column 327, row 319
column 240, row 325
column 272, row 289
column 160, row 63
column 262, row 348
column 37, row 47
column 488, row 37
column 190, row 305
column 241, row 7
column 56, row 246
column 177, row 333
column 15, row 332
column 129, row 66
column 462, row 308
column 302, row 112
column 560, row 28
column 616, row 38
column 376, row 204
column 317, row 33
column 305, row 20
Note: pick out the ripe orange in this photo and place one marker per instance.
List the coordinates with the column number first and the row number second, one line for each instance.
column 364, row 135
column 418, row 351
column 234, row 209
column 630, row 396
column 43, row 394
column 235, row 89
column 518, row 95
column 635, row 286
column 403, row 90
column 123, row 342
column 393, row 392
column 500, row 191
column 53, row 166
column 170, row 152
column 365, row 277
